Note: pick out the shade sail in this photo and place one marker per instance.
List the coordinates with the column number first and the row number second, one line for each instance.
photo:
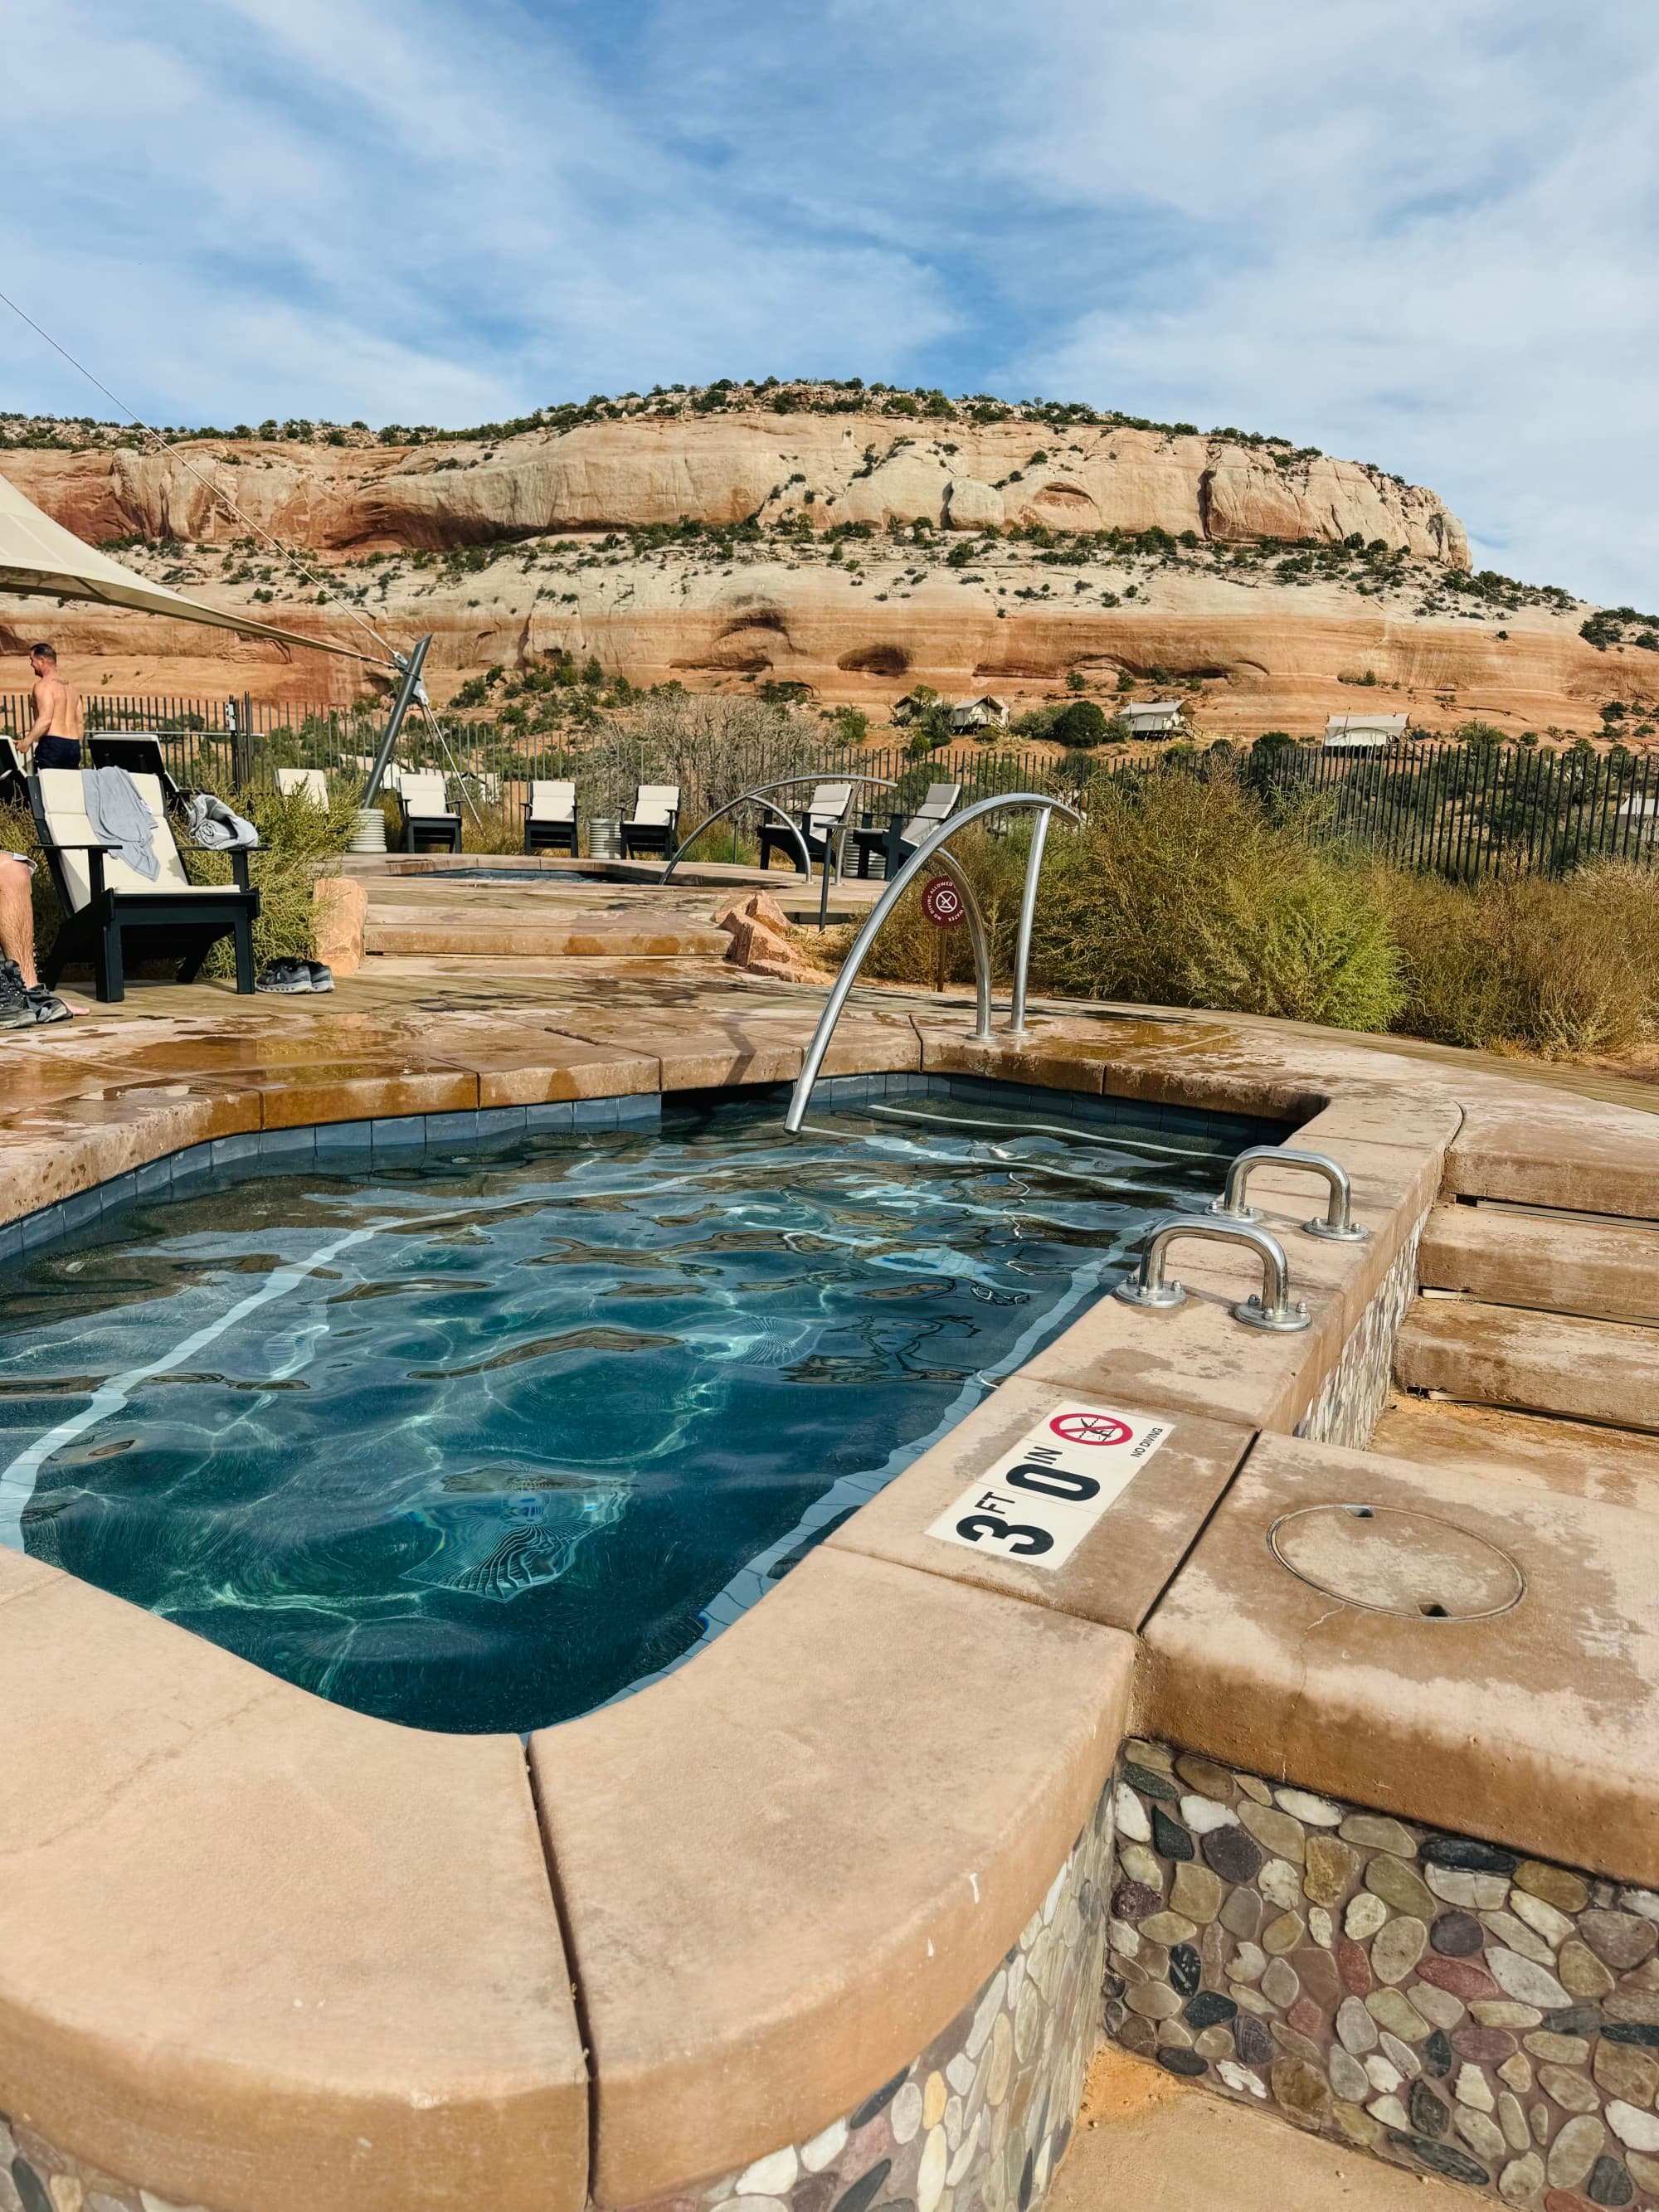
column 39, row 557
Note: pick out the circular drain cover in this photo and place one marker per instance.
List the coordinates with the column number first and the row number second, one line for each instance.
column 1386, row 1560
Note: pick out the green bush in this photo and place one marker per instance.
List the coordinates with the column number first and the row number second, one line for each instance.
column 1082, row 723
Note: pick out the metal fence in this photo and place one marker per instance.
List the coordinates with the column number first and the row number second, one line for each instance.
column 1439, row 805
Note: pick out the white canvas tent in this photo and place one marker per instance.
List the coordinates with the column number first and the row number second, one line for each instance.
column 40, row 558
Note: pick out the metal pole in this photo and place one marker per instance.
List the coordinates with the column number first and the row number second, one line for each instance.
column 1027, row 915
column 408, row 692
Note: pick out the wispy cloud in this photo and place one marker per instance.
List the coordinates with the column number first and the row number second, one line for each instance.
column 1420, row 236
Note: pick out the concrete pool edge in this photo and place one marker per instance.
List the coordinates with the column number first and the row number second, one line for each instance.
column 710, row 2035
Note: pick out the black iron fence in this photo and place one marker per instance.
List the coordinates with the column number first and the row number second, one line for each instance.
column 1455, row 808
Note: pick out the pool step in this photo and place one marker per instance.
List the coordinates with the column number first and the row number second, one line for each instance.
column 1614, row 1466
column 643, row 937
column 1541, row 1362
column 1511, row 1255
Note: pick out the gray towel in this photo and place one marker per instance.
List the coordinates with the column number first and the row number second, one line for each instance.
column 120, row 818
column 213, row 825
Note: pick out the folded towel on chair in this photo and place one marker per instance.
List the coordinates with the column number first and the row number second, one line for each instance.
column 120, row 818
column 213, row 825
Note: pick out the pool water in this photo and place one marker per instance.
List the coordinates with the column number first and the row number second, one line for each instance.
column 486, row 1439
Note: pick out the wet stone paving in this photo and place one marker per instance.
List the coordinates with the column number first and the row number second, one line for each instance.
column 1452, row 2007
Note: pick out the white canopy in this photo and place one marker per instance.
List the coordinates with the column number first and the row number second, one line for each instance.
column 39, row 557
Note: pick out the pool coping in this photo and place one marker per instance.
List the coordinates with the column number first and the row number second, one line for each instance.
column 691, row 1991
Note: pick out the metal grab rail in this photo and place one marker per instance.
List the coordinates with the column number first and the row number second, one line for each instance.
column 931, row 848
column 1273, row 1309
column 758, row 793
column 1338, row 1226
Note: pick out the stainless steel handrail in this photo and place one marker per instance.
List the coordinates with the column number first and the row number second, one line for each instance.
column 1338, row 1226
column 931, row 848
column 1273, row 1310
column 759, row 793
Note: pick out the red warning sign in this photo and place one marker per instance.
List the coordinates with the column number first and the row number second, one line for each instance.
column 1092, row 1429
column 942, row 902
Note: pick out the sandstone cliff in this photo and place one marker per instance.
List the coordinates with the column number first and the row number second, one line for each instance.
column 722, row 468
column 509, row 547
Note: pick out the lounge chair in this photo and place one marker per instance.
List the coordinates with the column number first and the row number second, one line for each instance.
column 550, row 820
column 900, row 835
column 304, row 783
column 821, row 826
column 111, row 913
column 653, row 825
column 13, row 777
column 428, row 819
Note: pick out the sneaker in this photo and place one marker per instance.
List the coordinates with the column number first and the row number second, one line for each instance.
column 16, row 1010
column 48, row 1006
column 286, row 975
column 322, row 978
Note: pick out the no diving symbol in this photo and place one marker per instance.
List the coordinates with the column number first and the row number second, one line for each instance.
column 942, row 902
column 1090, row 1429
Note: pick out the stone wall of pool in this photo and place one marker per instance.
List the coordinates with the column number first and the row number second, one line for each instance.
column 1453, row 2006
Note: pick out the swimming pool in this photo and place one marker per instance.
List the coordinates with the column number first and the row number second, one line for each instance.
column 480, row 1440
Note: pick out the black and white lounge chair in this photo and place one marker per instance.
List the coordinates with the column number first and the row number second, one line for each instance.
column 112, row 914
column 310, row 783
column 653, row 825
column 898, row 838
column 427, row 818
column 821, row 825
column 550, row 820
column 13, row 777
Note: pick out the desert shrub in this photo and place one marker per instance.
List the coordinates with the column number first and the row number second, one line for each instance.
column 1185, row 892
column 1560, row 967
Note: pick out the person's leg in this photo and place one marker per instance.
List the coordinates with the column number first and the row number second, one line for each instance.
column 17, row 917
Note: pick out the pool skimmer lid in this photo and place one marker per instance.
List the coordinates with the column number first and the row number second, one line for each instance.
column 1385, row 1559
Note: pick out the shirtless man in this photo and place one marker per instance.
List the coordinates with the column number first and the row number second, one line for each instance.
column 56, row 735
column 55, row 739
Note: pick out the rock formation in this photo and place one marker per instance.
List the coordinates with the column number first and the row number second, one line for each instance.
column 847, row 552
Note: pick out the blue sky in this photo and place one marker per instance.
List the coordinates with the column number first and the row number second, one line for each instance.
column 1418, row 234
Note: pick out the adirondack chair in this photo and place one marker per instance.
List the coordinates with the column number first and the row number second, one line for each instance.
column 654, row 823
column 112, row 913
column 899, row 835
column 429, row 820
column 304, row 783
column 550, row 820
column 821, row 825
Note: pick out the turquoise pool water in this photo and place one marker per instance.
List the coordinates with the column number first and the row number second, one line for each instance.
column 482, row 1440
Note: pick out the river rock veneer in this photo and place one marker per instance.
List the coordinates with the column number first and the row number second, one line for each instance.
column 1443, row 2003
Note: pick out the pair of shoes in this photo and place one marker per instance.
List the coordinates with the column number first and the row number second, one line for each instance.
column 26, row 1005
column 17, row 1009
column 291, row 976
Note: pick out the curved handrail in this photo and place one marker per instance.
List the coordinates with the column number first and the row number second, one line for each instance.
column 1273, row 1309
column 1338, row 1226
column 884, row 906
column 759, row 791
